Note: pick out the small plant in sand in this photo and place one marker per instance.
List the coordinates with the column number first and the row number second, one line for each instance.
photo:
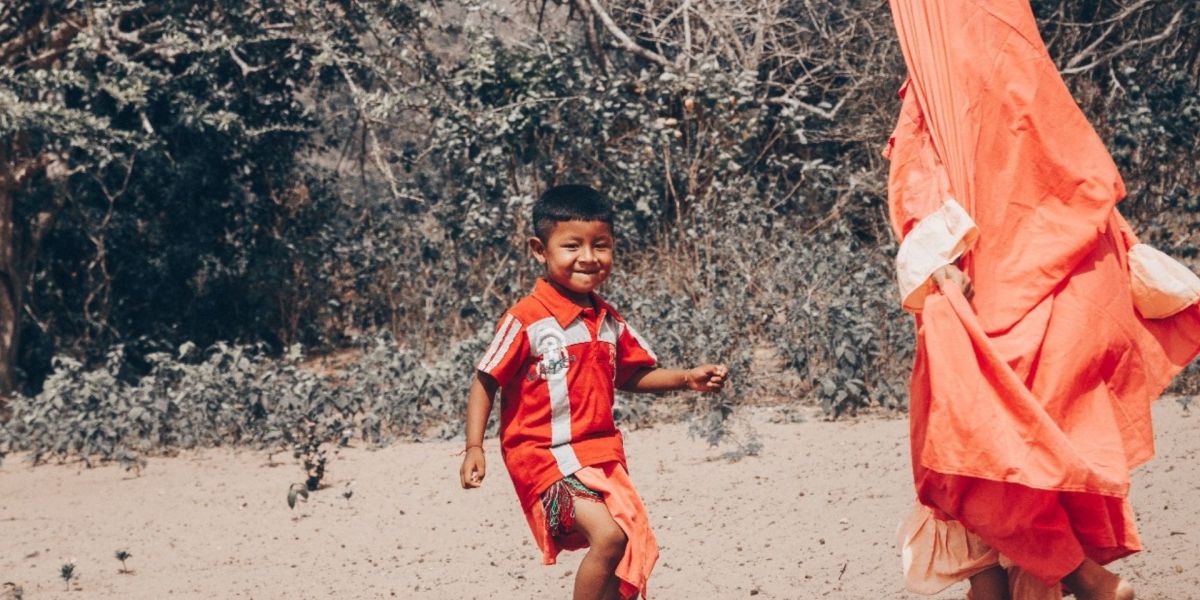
column 348, row 492
column 68, row 572
column 123, row 555
column 308, row 449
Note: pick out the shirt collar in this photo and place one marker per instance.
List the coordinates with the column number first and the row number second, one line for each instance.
column 561, row 307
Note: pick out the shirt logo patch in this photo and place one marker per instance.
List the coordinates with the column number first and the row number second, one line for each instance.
column 554, row 360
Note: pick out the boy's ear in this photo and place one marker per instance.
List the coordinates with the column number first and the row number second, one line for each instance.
column 537, row 249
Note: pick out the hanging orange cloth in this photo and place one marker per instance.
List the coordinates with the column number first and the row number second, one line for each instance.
column 1030, row 404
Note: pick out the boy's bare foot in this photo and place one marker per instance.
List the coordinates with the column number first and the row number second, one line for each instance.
column 1090, row 581
column 1124, row 590
column 991, row 584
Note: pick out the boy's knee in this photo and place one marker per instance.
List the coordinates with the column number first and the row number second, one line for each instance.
column 610, row 543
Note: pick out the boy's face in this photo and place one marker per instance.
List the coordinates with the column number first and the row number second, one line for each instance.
column 577, row 255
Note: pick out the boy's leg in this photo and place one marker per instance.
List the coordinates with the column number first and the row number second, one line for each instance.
column 596, row 579
column 990, row 584
column 1090, row 581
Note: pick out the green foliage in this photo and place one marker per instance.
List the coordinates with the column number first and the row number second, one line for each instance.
column 181, row 128
column 355, row 178
column 240, row 395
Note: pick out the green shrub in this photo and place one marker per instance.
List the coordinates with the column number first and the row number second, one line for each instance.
column 239, row 395
column 380, row 211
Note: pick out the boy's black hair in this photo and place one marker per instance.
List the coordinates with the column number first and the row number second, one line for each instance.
column 569, row 203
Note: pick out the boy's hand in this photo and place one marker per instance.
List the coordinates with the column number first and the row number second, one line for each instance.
column 473, row 468
column 706, row 378
column 953, row 273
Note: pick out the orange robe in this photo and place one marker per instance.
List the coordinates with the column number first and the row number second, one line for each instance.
column 1030, row 404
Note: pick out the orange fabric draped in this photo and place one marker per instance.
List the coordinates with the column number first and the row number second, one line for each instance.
column 612, row 481
column 1031, row 403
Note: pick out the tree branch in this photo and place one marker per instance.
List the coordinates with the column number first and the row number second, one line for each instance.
column 247, row 70
column 830, row 114
column 589, row 32
column 59, row 40
column 375, row 151
column 1119, row 50
column 57, row 171
column 625, row 41
column 25, row 39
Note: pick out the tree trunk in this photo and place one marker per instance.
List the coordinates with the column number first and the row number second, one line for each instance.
column 11, row 284
column 10, row 330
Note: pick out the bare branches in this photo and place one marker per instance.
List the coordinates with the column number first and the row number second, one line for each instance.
column 97, row 304
column 589, row 31
column 376, row 150
column 25, row 39
column 1073, row 65
column 43, row 50
column 1120, row 16
column 623, row 38
column 1137, row 33
column 803, row 57
column 247, row 70
column 685, row 57
column 825, row 113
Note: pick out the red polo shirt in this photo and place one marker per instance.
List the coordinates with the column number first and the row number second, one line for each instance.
column 557, row 365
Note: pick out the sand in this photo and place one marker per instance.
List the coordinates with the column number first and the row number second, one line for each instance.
column 813, row 516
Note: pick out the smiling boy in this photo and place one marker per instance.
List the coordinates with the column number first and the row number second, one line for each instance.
column 557, row 357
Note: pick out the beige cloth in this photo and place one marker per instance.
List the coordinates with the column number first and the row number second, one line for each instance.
column 935, row 241
column 1161, row 285
column 939, row 553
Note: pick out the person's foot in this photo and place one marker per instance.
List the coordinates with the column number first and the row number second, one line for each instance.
column 1090, row 581
column 1124, row 590
column 991, row 584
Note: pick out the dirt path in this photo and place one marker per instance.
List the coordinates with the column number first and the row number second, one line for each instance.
column 812, row 517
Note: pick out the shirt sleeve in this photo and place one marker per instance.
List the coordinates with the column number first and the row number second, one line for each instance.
column 633, row 354
column 507, row 352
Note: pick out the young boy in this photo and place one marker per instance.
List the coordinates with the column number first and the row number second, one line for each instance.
column 557, row 356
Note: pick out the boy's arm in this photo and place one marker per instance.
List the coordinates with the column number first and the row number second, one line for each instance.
column 479, row 406
column 704, row 378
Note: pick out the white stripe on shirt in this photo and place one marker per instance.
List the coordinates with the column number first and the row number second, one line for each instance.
column 540, row 333
column 500, row 331
column 500, row 344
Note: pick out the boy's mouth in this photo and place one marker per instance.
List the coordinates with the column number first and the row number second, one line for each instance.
column 587, row 278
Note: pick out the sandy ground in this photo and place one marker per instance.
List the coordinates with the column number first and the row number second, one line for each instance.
column 812, row 517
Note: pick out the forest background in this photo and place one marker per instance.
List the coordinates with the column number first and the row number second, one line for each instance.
column 294, row 222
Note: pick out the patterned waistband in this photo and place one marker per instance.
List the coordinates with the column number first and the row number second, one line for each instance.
column 559, row 503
